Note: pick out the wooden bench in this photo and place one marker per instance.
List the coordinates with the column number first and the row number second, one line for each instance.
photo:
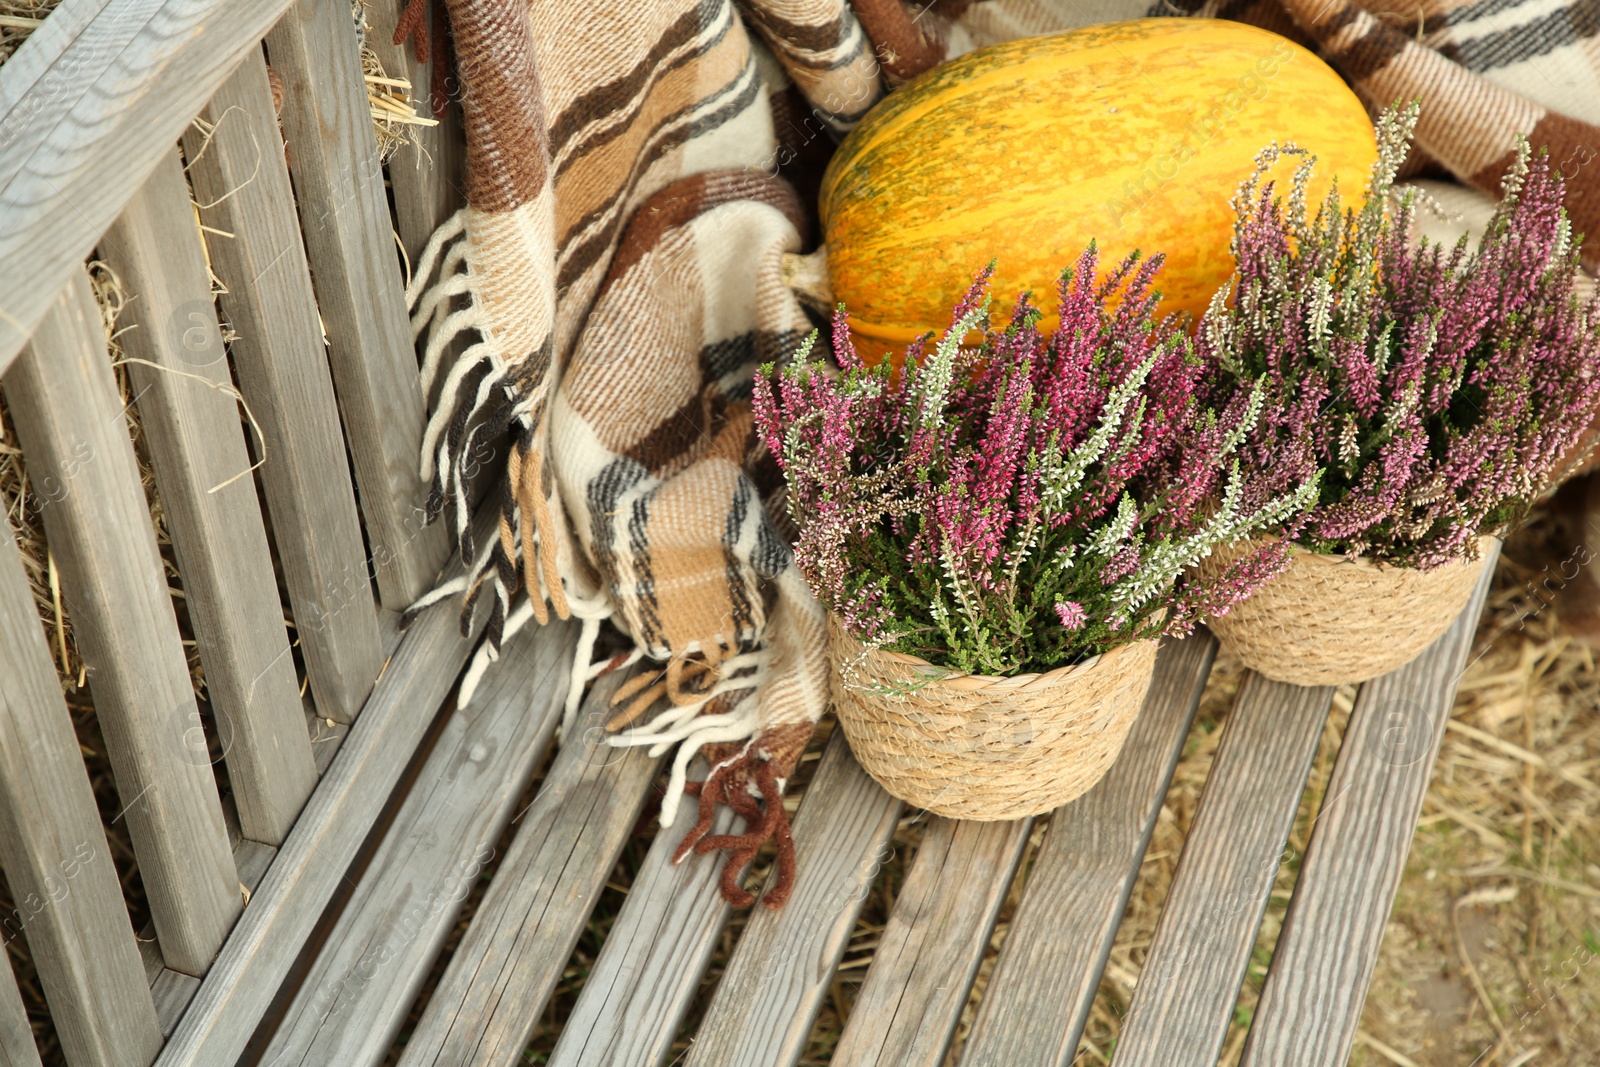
column 332, row 953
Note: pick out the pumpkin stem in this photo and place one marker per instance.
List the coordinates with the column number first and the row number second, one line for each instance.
column 808, row 277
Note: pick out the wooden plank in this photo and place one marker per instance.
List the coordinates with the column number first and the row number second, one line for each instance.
column 325, row 742
column 359, row 991
column 172, row 992
column 17, row 1048
column 1317, row 984
column 150, row 954
column 86, row 111
column 639, row 990
column 197, row 448
column 1190, row 981
column 43, row 48
column 507, row 965
column 930, row 950
column 69, row 902
column 69, row 417
column 774, row 985
column 243, row 187
column 428, row 175
column 252, row 859
column 1048, row 971
column 344, row 213
column 309, row 867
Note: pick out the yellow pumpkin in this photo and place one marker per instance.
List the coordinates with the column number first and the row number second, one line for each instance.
column 1134, row 134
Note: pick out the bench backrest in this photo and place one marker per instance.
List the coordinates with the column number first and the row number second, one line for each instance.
column 267, row 347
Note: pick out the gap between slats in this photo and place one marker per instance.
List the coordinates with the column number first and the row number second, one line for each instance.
column 1190, row 980
column 372, row 965
column 1322, row 965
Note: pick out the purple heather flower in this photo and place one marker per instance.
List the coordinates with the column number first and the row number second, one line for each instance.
column 946, row 506
column 1441, row 389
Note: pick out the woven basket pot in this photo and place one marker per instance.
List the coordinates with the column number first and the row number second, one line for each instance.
column 1330, row 619
column 972, row 746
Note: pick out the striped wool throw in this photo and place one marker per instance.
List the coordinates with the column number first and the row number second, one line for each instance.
column 606, row 295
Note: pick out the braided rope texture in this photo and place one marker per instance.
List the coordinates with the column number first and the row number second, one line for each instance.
column 981, row 747
column 1332, row 619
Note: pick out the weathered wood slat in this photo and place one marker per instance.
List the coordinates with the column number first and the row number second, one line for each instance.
column 344, row 213
column 252, row 859
column 69, row 419
column 639, row 990
column 930, row 950
column 88, row 106
column 69, row 902
column 308, row 868
column 45, row 47
column 775, row 984
column 150, row 954
column 172, row 989
column 1045, row 979
column 368, row 972
column 243, row 186
column 508, row 962
column 325, row 742
column 1190, row 981
column 16, row 1036
column 196, row 445
column 172, row 992
column 426, row 175
column 1317, row 984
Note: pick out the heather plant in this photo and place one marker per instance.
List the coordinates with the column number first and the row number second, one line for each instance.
column 1024, row 502
column 1439, row 389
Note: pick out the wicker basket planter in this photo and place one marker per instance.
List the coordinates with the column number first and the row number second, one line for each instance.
column 980, row 747
column 1332, row 619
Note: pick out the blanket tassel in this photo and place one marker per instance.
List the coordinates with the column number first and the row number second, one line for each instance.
column 765, row 822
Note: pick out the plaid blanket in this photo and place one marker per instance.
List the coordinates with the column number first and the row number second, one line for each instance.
column 616, row 270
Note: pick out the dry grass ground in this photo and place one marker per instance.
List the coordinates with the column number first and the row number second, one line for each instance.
column 1490, row 953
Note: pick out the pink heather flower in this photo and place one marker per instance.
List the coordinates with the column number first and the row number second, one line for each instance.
column 1071, row 614
column 946, row 508
column 1441, row 390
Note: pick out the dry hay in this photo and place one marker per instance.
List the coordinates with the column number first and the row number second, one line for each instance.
column 394, row 115
column 19, row 18
column 1490, row 948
